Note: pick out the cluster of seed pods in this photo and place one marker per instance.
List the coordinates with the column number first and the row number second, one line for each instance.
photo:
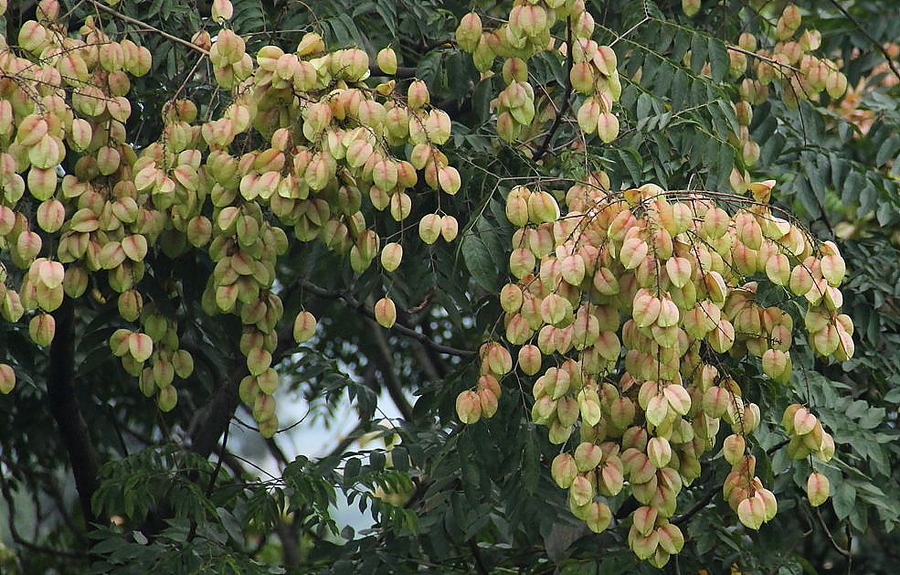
column 527, row 32
column 627, row 308
column 81, row 208
column 791, row 64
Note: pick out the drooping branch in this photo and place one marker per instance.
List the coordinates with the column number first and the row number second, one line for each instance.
column 147, row 27
column 386, row 366
column 398, row 327
column 862, row 30
column 63, row 406
column 567, row 96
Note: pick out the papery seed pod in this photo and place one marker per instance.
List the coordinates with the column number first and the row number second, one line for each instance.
column 449, row 228
column 468, row 407
column 7, row 378
column 690, row 7
column 751, row 512
column 607, row 127
column 167, row 398
column 387, row 61
column 430, row 228
column 42, row 328
column 183, row 363
column 304, row 326
column 818, row 488
column 385, row 312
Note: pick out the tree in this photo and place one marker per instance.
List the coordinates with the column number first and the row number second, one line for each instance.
column 591, row 251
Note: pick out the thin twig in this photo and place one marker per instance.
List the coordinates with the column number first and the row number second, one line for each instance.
column 567, row 95
column 766, row 59
column 136, row 22
column 828, row 534
column 386, row 365
column 398, row 327
column 890, row 62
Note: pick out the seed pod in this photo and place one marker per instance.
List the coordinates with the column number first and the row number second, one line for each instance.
column 183, row 363
column 42, row 328
column 167, row 398
column 468, row 407
column 690, row 7
column 386, row 312
column 659, row 451
column 563, row 470
column 468, row 33
column 387, row 61
column 430, row 228
column 449, row 228
column 304, row 326
column 818, row 489
column 608, row 127
column 8, row 379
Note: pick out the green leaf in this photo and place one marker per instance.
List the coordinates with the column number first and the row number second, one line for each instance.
column 351, row 470
column 887, row 150
column 718, row 60
column 480, row 262
column 633, row 164
column 699, row 48
column 724, row 164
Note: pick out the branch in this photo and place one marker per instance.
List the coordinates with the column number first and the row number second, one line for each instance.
column 566, row 96
column 63, row 406
column 147, row 27
column 881, row 48
column 695, row 508
column 17, row 537
column 386, row 367
column 398, row 327
column 828, row 534
column 213, row 419
column 761, row 57
column 403, row 72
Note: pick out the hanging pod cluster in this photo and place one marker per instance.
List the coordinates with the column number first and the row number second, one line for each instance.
column 623, row 306
column 334, row 145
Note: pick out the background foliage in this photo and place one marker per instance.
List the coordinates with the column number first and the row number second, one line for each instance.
column 477, row 498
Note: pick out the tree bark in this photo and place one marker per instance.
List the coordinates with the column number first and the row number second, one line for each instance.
column 63, row 406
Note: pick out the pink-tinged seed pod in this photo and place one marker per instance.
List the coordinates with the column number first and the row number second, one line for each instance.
column 530, row 359
column 304, row 326
column 449, row 228
column 385, row 312
column 221, row 11
column 468, row 407
column 818, row 489
column 449, row 180
column 608, row 127
column 488, row 401
column 7, row 378
column 469, row 31
column 659, row 451
column 430, row 228
column 42, row 328
column 417, row 95
column 564, row 470
column 733, row 448
column 581, row 491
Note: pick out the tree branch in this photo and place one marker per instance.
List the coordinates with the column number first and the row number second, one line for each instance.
column 828, row 534
column 63, row 406
column 398, row 327
column 112, row 11
column 864, row 32
column 17, row 537
column 386, row 367
column 564, row 107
